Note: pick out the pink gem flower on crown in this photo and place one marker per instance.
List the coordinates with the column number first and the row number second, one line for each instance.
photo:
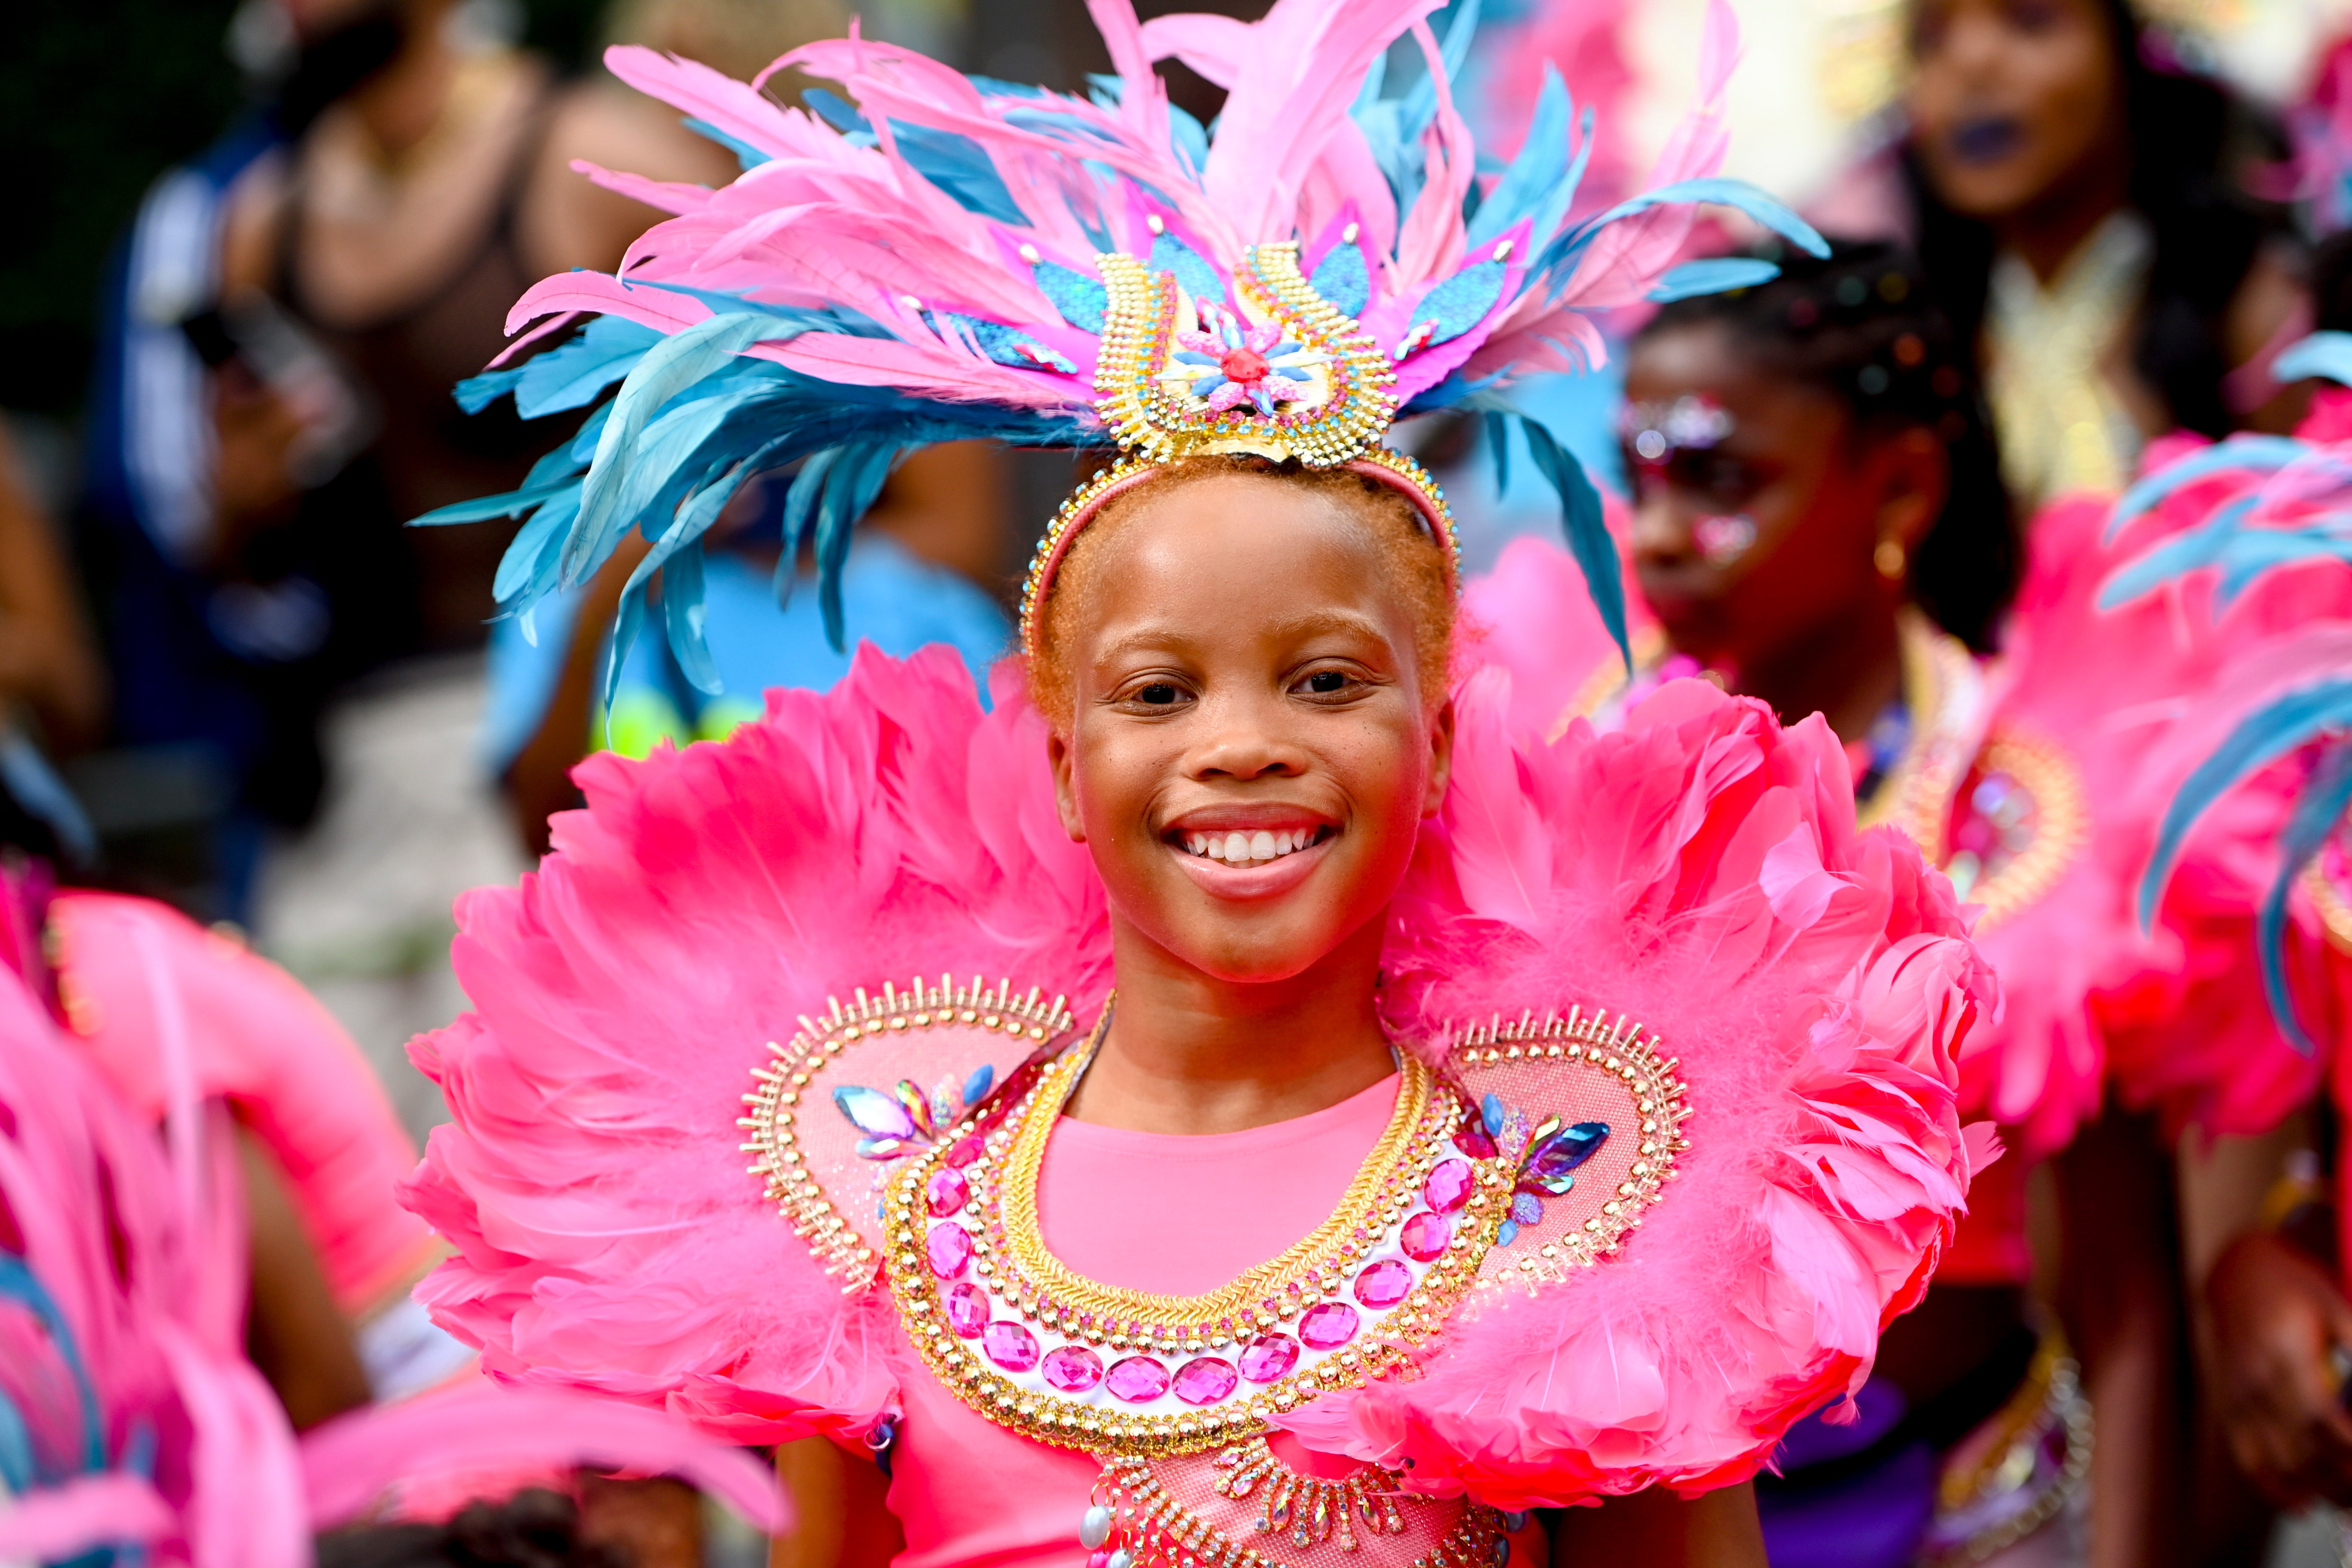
column 1230, row 364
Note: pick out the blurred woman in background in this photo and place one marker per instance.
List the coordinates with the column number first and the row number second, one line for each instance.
column 1819, row 521
column 2078, row 212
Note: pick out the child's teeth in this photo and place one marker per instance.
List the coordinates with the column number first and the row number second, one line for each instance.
column 1236, row 847
column 1261, row 845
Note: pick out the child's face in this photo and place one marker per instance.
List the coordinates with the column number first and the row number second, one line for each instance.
column 2011, row 100
column 1245, row 682
column 1757, row 510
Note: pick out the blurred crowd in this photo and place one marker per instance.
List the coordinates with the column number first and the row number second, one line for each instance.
column 259, row 733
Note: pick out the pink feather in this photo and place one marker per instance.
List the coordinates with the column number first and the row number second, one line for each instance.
column 349, row 1463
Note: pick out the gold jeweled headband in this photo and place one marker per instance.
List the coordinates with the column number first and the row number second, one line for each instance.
column 1280, row 374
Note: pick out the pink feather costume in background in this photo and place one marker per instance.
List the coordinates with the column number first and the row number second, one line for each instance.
column 1700, row 868
column 255, row 1039
column 2067, row 715
column 132, row 1253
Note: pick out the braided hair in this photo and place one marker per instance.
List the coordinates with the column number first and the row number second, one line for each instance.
column 1862, row 326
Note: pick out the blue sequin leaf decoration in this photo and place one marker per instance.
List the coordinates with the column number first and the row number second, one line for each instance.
column 1342, row 278
column 1459, row 303
column 1081, row 300
column 977, row 1085
column 1193, row 273
column 1491, row 1115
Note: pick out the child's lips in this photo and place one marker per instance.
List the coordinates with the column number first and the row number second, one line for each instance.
column 1253, row 878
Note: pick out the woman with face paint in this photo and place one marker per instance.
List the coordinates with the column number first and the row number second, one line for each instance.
column 1818, row 521
column 2083, row 227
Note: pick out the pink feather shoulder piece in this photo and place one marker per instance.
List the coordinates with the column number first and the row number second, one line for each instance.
column 860, row 920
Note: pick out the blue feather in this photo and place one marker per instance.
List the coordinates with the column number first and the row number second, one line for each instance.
column 20, row 1284
column 748, row 156
column 2259, row 453
column 2319, row 810
column 1587, row 531
column 2190, row 550
column 1715, row 275
column 2327, row 356
column 576, row 374
column 957, row 164
column 476, row 393
column 1534, row 175
column 509, row 504
column 2260, row 739
column 1560, row 259
column 671, row 366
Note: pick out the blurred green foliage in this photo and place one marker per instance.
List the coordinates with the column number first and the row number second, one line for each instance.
column 97, row 98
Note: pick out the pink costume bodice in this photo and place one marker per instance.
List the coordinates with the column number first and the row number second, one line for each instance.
column 1144, row 1211
column 152, row 993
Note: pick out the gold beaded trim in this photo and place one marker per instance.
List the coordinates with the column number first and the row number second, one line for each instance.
column 2062, row 824
column 1382, row 1187
column 1621, row 1050
column 1154, row 422
column 1159, row 1533
column 791, row 1184
column 1145, row 415
column 1386, row 1344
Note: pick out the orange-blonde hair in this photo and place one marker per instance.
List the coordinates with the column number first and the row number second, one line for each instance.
column 1413, row 562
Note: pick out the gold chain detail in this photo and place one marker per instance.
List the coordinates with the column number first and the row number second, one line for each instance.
column 1313, row 1256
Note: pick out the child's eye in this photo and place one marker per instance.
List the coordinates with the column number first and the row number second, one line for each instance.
column 1158, row 694
column 1327, row 683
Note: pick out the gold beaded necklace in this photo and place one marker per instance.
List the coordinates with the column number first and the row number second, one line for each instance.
column 1022, row 1340
column 1380, row 1183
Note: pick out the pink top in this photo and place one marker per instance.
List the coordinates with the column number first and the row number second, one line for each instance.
column 1145, row 1211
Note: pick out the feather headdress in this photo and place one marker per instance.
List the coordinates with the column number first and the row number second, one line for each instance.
column 927, row 257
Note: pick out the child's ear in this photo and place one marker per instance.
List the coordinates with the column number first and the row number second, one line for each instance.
column 1440, row 758
column 1059, row 753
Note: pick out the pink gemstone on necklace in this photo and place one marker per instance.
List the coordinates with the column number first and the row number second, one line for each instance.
column 967, row 1307
column 1425, row 1236
column 1448, row 1187
column 1138, row 1380
column 1385, row 1284
column 966, row 1151
column 1269, row 1357
column 1245, row 366
column 1205, row 1380
column 947, row 1191
column 1473, row 1141
column 1073, row 1369
column 951, row 1249
column 1329, row 1326
column 1010, row 1345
